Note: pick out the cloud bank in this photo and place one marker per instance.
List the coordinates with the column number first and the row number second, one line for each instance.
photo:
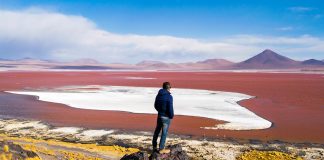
column 42, row 34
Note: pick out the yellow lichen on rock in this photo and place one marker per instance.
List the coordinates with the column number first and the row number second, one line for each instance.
column 37, row 149
column 6, row 148
column 34, row 158
column 267, row 155
column 3, row 157
column 111, row 150
column 6, row 156
column 114, row 150
column 77, row 156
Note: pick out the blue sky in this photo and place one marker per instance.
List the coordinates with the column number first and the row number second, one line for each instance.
column 208, row 22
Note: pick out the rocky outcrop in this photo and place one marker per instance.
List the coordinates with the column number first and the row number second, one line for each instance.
column 141, row 155
column 10, row 150
column 176, row 153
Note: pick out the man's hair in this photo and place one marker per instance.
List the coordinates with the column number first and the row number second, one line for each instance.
column 166, row 85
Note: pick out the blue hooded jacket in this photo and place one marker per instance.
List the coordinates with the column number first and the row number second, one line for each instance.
column 164, row 103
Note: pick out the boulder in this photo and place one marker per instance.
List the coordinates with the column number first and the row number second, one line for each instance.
column 176, row 153
column 140, row 155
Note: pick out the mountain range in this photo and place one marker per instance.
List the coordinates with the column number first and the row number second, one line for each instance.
column 267, row 59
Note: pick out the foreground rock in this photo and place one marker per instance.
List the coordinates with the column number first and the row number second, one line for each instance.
column 13, row 151
column 176, row 153
column 141, row 155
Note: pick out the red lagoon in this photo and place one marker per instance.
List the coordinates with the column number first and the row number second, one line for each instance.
column 294, row 102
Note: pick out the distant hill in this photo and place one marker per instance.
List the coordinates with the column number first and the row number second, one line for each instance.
column 216, row 62
column 208, row 64
column 267, row 59
column 313, row 62
column 147, row 64
column 81, row 64
column 83, row 67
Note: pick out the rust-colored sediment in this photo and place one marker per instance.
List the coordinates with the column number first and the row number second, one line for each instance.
column 293, row 102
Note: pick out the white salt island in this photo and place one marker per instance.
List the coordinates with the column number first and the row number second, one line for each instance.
column 191, row 102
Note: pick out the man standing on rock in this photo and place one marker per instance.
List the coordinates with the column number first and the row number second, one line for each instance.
column 164, row 105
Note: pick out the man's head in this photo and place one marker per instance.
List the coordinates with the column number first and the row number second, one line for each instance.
column 166, row 85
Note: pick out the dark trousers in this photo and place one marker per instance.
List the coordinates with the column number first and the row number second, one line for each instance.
column 161, row 123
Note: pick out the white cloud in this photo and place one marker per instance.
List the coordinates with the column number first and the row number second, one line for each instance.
column 300, row 9
column 288, row 28
column 54, row 35
column 42, row 34
column 304, row 40
column 318, row 16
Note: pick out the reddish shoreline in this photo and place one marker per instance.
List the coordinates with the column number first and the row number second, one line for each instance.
column 293, row 102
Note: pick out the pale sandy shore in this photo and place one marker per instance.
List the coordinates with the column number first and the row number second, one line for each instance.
column 196, row 148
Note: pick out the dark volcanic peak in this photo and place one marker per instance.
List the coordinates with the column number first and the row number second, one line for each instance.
column 312, row 62
column 268, row 57
column 266, row 60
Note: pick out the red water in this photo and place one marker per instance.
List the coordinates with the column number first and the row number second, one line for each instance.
column 293, row 102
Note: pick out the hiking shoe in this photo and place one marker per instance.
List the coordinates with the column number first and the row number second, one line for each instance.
column 164, row 151
column 155, row 150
